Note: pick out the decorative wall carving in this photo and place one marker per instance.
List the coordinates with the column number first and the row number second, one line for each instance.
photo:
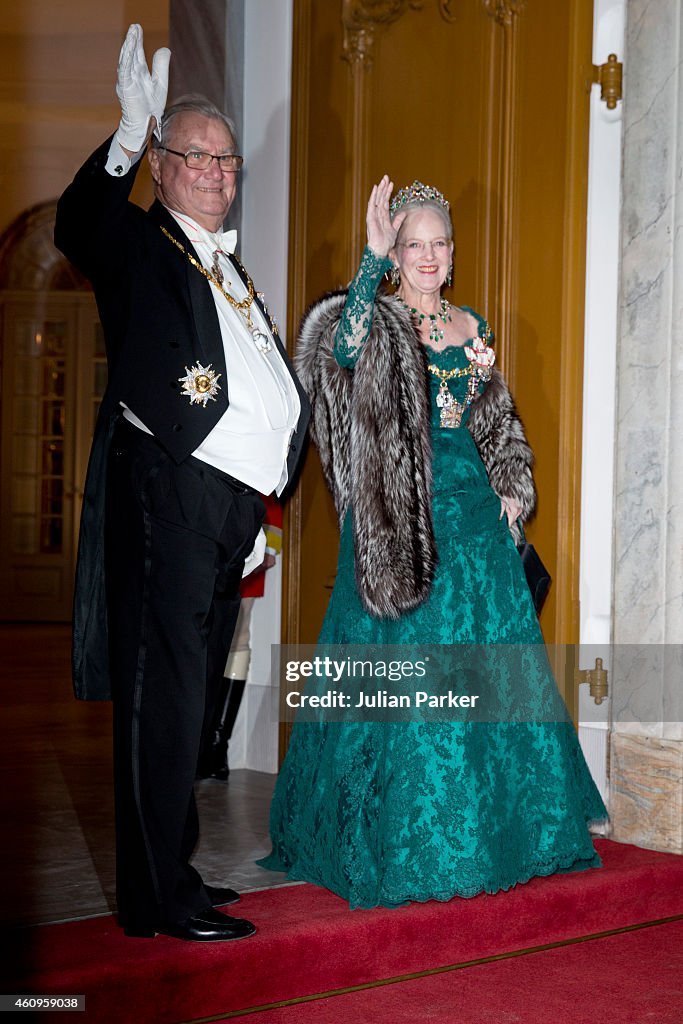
column 445, row 7
column 361, row 17
column 504, row 11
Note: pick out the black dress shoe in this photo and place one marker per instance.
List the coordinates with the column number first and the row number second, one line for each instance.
column 205, row 926
column 220, row 896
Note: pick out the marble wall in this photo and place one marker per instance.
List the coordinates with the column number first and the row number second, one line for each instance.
column 646, row 792
column 647, row 740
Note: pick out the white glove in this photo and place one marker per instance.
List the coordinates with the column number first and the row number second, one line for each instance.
column 140, row 94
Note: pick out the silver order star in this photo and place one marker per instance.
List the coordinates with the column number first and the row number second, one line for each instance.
column 200, row 384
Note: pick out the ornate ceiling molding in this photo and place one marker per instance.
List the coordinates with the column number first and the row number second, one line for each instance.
column 504, row 11
column 360, row 19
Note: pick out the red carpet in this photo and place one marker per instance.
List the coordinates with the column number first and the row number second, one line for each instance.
column 309, row 942
column 631, row 978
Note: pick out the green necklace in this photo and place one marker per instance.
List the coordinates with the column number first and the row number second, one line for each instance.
column 444, row 314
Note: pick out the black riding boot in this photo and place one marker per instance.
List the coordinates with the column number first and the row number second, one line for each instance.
column 213, row 759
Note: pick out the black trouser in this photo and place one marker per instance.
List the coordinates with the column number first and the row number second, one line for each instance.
column 176, row 540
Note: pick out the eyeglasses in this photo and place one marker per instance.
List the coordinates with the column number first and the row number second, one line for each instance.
column 438, row 245
column 196, row 160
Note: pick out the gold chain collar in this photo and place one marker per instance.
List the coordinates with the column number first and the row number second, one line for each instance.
column 449, row 374
column 242, row 307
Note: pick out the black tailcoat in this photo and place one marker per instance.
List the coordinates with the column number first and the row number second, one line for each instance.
column 158, row 317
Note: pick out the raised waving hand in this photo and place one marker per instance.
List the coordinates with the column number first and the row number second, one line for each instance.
column 142, row 94
column 381, row 231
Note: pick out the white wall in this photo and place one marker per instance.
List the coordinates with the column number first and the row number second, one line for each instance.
column 264, row 249
column 599, row 387
column 602, row 294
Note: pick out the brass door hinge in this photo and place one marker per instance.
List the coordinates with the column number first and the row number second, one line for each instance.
column 596, row 679
column 609, row 77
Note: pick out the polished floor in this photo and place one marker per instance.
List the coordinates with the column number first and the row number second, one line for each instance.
column 56, row 805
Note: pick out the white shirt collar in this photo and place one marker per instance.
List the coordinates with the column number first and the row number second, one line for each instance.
column 226, row 241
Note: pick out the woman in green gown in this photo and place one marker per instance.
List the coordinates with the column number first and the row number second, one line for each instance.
column 430, row 471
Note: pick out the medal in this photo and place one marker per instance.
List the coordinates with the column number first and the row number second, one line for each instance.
column 451, row 411
column 215, row 268
column 200, row 384
column 261, row 340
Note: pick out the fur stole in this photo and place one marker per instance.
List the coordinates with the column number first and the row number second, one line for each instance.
column 371, row 426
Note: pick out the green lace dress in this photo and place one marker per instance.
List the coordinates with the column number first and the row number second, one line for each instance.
column 387, row 812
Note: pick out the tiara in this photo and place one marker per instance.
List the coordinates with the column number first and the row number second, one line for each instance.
column 418, row 193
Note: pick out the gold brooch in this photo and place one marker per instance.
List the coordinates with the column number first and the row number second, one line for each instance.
column 200, row 384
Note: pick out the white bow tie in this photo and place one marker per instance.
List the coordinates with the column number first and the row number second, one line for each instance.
column 225, row 240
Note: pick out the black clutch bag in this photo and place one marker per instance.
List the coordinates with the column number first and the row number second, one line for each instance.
column 537, row 576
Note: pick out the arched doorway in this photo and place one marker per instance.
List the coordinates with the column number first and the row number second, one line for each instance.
column 53, row 374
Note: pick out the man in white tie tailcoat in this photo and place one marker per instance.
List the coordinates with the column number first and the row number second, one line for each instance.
column 202, row 411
